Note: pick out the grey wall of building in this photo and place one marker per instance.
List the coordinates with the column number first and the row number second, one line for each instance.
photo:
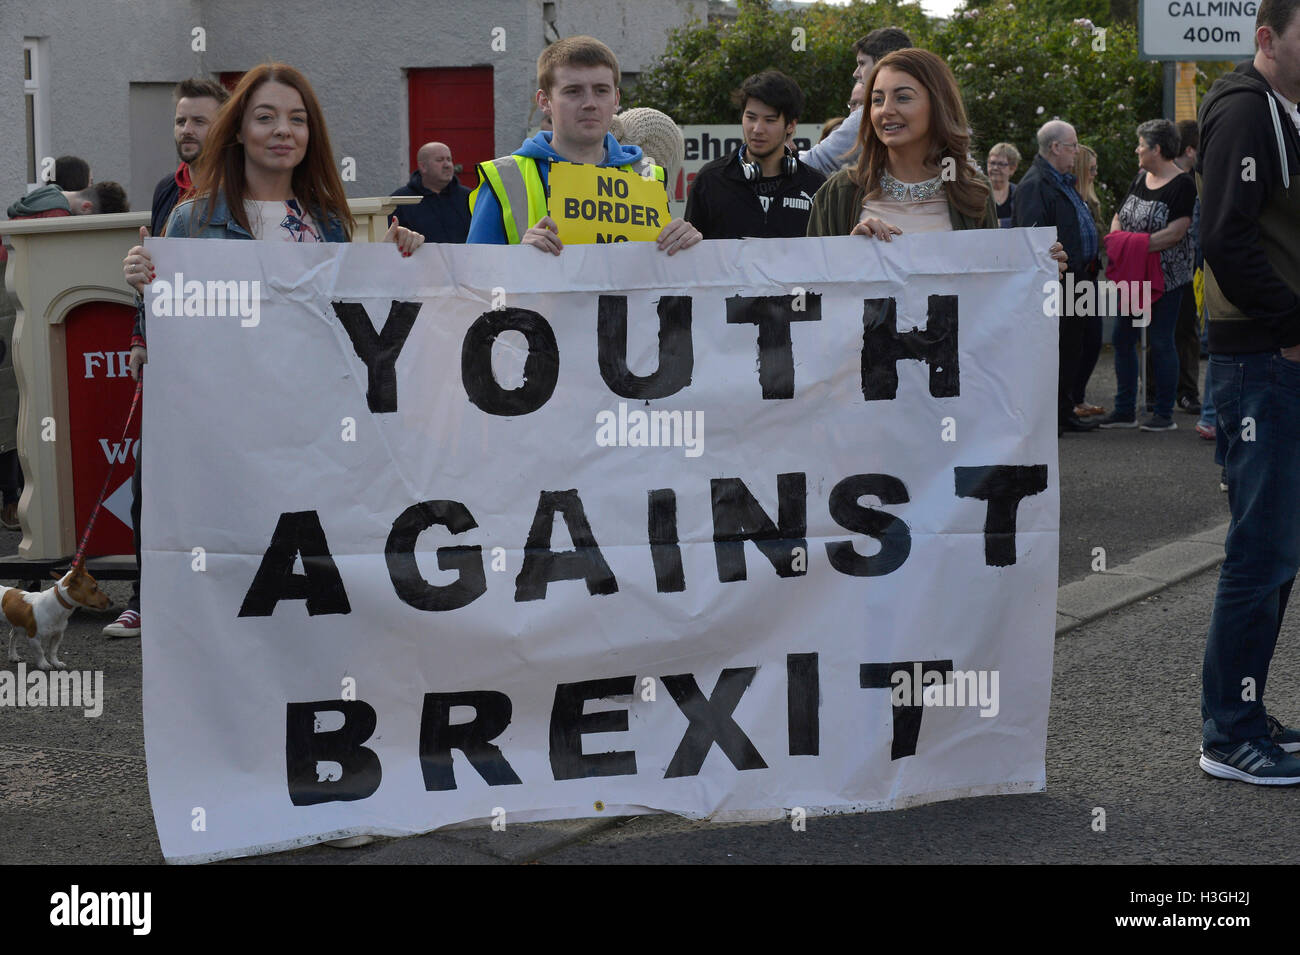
column 355, row 56
column 95, row 50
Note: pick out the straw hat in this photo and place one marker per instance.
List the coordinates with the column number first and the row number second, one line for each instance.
column 658, row 136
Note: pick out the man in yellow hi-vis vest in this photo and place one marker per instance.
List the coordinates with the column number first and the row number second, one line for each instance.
column 577, row 81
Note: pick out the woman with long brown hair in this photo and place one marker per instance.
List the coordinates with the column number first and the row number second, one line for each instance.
column 266, row 172
column 270, row 145
column 914, row 172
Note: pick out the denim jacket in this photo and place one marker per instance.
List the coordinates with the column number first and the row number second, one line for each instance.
column 220, row 226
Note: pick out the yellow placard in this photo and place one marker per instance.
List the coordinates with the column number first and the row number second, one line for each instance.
column 594, row 204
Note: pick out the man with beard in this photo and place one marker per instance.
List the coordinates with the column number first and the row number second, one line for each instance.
column 197, row 103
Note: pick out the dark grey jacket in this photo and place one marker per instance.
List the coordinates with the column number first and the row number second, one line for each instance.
column 1042, row 201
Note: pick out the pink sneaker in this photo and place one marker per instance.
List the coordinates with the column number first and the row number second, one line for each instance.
column 127, row 625
column 1206, row 431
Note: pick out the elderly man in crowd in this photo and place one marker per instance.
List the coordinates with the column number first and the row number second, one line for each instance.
column 1046, row 197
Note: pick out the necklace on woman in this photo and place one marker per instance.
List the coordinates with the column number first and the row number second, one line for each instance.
column 909, row 191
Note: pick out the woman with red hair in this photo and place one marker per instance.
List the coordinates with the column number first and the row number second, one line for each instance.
column 266, row 172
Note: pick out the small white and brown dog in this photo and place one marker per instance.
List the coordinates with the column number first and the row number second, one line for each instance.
column 45, row 615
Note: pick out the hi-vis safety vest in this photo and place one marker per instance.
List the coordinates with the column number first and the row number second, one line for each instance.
column 517, row 184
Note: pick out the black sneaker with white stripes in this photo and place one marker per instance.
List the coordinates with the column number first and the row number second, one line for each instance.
column 1259, row 761
column 1286, row 738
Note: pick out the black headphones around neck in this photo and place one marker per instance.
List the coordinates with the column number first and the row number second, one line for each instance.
column 789, row 165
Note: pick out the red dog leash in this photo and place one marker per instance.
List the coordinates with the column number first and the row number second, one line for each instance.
column 90, row 525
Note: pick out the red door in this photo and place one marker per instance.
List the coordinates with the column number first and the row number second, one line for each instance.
column 453, row 105
column 100, row 390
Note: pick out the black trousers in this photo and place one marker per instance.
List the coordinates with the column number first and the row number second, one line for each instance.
column 1069, row 360
column 1071, row 356
column 11, row 476
column 1087, row 358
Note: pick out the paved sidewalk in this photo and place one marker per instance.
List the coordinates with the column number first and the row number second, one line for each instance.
column 1095, row 596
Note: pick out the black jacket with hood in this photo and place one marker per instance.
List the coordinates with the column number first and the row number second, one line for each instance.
column 1248, row 175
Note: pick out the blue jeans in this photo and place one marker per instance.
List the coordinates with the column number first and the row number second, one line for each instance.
column 1164, row 360
column 1207, row 393
column 1208, row 416
column 1258, row 399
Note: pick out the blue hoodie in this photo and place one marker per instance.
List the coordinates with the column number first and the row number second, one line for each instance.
column 486, row 227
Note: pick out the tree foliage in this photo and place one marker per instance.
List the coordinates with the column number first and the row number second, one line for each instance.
column 705, row 63
column 1019, row 63
column 1016, row 73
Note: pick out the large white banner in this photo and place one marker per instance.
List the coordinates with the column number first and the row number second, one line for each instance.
column 765, row 527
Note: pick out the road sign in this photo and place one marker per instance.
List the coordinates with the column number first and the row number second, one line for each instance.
column 1197, row 29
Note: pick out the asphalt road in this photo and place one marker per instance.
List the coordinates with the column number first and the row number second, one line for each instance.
column 1123, row 737
column 1123, row 732
column 1132, row 491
